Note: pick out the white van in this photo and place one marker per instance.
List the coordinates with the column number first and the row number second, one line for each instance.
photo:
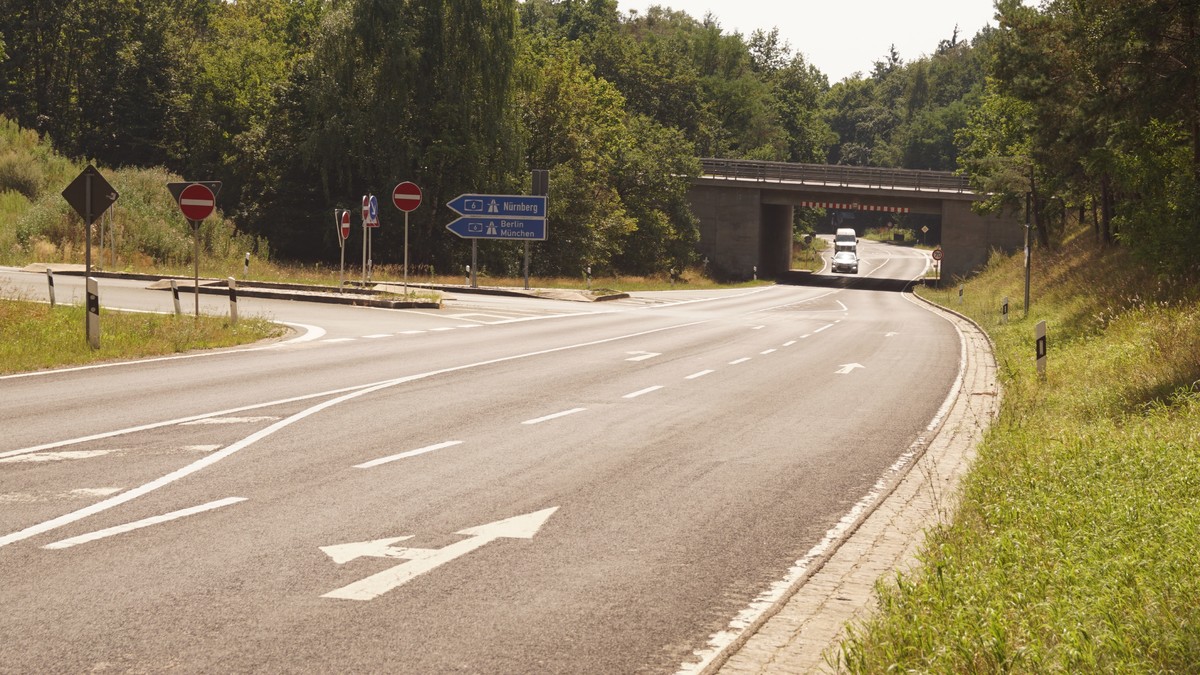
column 845, row 240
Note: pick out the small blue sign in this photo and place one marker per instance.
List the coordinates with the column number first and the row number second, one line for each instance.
column 475, row 227
column 374, row 209
column 500, row 206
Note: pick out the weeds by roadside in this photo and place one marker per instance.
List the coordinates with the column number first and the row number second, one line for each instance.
column 1073, row 549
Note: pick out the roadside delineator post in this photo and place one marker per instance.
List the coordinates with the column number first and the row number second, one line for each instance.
column 1040, row 334
column 233, row 317
column 1004, row 311
column 93, row 312
column 50, row 280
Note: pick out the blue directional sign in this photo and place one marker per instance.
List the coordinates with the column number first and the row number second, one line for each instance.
column 476, row 227
column 500, row 206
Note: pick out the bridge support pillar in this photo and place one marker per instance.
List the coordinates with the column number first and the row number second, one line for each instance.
column 775, row 244
column 730, row 228
column 968, row 238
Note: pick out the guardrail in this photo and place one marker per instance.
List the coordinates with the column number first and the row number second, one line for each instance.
column 841, row 176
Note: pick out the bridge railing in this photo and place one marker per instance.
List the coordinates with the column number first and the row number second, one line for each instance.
column 842, row 176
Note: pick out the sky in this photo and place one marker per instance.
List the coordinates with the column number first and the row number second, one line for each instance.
column 841, row 37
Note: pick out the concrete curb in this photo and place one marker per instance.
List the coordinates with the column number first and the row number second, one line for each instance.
column 355, row 296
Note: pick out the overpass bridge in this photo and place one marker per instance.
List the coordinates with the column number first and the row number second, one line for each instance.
column 745, row 209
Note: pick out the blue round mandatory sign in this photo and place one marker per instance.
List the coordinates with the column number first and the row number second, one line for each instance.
column 374, row 208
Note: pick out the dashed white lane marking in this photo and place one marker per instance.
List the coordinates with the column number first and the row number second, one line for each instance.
column 339, row 340
column 642, row 356
column 377, row 336
column 766, row 351
column 741, row 360
column 229, row 420
column 145, row 522
column 411, row 332
column 805, row 337
column 555, row 416
column 405, row 455
column 826, row 326
column 757, row 327
column 342, row 396
column 641, row 392
column 699, row 374
column 200, row 448
column 789, row 343
column 55, row 456
column 438, row 330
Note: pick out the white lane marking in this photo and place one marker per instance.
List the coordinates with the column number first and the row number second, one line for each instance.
column 55, row 456
column 313, row 333
column 200, row 448
column 411, row 332
column 825, row 327
column 34, row 498
column 422, row 560
column 377, row 336
column 331, row 340
column 789, row 343
column 470, row 325
column 145, row 522
column 757, row 327
column 467, row 317
column 555, row 416
column 347, row 394
column 641, row 392
column 443, row 328
column 405, row 455
column 642, row 356
column 699, row 374
column 741, row 360
column 230, row 420
column 719, row 642
column 890, row 334
column 766, row 351
column 847, row 368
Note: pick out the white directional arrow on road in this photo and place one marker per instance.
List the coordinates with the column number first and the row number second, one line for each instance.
column 848, row 368
column 421, row 560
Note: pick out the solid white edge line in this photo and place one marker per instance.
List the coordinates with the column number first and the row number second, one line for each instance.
column 312, row 333
column 145, row 522
column 404, row 455
column 770, row 598
column 355, row 392
column 555, row 416
column 640, row 392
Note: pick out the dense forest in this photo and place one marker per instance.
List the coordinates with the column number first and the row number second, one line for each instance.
column 301, row 106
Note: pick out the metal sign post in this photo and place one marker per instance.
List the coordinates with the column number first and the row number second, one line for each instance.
column 197, row 200
column 407, row 197
column 90, row 195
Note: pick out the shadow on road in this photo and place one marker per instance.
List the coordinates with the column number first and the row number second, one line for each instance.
column 799, row 278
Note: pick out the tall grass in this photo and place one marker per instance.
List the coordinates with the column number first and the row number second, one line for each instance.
column 37, row 224
column 1074, row 547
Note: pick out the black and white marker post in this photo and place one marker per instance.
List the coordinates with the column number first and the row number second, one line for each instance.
column 90, row 195
column 50, row 280
column 233, row 301
column 1040, row 335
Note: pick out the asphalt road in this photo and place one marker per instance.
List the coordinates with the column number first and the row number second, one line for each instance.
column 503, row 485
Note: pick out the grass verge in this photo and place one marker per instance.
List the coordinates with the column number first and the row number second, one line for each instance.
column 33, row 336
column 1074, row 546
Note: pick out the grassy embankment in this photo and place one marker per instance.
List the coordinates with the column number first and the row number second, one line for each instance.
column 1074, row 546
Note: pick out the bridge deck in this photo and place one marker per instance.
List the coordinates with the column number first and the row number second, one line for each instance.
column 836, row 176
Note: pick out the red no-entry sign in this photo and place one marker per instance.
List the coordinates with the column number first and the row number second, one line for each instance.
column 406, row 196
column 346, row 224
column 197, row 202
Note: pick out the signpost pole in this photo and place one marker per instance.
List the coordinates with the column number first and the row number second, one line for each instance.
column 474, row 262
column 364, row 255
column 526, row 265
column 87, row 226
column 406, row 255
column 196, row 264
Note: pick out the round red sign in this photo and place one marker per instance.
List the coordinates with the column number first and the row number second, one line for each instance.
column 937, row 254
column 406, row 196
column 197, row 202
column 346, row 224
